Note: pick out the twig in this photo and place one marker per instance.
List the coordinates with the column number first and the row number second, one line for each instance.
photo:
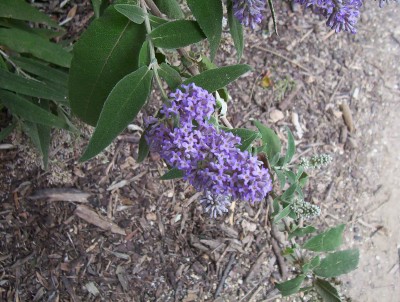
column 228, row 268
column 282, row 57
column 154, row 9
column 181, row 51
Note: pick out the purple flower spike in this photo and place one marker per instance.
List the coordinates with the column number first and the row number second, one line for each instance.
column 342, row 15
column 209, row 157
column 249, row 12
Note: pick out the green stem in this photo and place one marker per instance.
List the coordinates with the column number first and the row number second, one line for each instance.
column 154, row 64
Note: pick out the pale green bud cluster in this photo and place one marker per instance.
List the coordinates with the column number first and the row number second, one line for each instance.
column 304, row 209
column 316, row 161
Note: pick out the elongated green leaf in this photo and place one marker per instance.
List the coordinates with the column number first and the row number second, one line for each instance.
column 281, row 177
column 327, row 241
column 44, row 133
column 3, row 64
column 208, row 14
column 288, row 194
column 338, row 263
column 29, row 111
column 171, row 8
column 300, row 232
column 7, row 131
column 170, row 75
column 291, row 147
column 282, row 214
column 173, row 174
column 99, row 6
column 13, row 82
column 143, row 148
column 132, row 12
column 326, row 290
column 311, row 265
column 40, row 136
column 270, row 140
column 106, row 52
column 24, row 42
column 120, row 108
column 43, row 70
column 176, row 34
column 247, row 136
column 290, row 287
column 144, row 55
column 156, row 21
column 214, row 79
column 24, row 26
column 236, row 30
column 21, row 10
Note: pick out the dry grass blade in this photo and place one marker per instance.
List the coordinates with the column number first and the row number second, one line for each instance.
column 92, row 217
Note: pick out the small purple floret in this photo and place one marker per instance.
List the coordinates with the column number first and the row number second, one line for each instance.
column 249, row 12
column 209, row 157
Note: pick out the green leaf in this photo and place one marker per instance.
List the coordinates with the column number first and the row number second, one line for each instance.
column 303, row 179
column 42, row 70
column 236, row 30
column 282, row 214
column 170, row 75
column 291, row 176
column 247, row 136
column 270, row 140
column 29, row 111
column 13, row 82
column 144, row 148
column 326, row 290
column 327, row 241
column 281, row 177
column 208, row 14
column 290, row 287
column 171, row 8
column 338, row 263
column 176, row 34
column 291, row 147
column 173, row 174
column 107, row 51
column 25, row 42
column 156, row 21
column 144, row 54
column 287, row 195
column 21, row 10
column 7, row 131
column 300, row 232
column 214, row 79
column 24, row 26
column 311, row 265
column 120, row 108
column 132, row 12
column 40, row 136
column 44, row 134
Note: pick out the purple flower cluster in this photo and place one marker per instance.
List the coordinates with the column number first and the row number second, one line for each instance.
column 341, row 14
column 249, row 12
column 208, row 156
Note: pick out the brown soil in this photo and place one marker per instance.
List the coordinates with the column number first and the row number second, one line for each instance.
column 170, row 250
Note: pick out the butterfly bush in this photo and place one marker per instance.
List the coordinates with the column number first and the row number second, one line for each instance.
column 208, row 156
column 342, row 15
column 249, row 12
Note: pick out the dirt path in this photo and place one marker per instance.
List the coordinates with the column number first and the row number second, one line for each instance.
column 378, row 276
